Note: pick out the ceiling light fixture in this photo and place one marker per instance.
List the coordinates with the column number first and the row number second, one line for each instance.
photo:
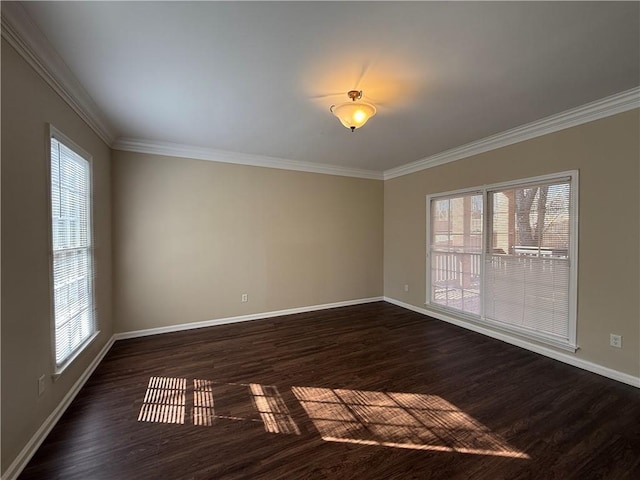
column 353, row 114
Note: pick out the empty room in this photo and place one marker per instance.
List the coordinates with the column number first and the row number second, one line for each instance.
column 320, row 240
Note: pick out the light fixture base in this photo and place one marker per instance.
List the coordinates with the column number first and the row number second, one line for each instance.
column 355, row 94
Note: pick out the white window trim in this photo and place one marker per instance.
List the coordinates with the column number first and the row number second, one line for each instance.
column 59, row 369
column 571, row 343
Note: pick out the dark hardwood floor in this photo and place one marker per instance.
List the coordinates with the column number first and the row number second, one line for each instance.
column 365, row 392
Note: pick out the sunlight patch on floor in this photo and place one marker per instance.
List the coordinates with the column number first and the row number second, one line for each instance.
column 164, row 401
column 400, row 420
column 203, row 413
column 272, row 409
column 167, row 400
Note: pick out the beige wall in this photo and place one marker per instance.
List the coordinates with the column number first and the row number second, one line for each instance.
column 191, row 236
column 607, row 154
column 28, row 105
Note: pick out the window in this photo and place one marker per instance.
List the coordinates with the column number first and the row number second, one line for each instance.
column 456, row 247
column 504, row 255
column 72, row 249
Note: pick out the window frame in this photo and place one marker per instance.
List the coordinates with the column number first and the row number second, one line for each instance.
column 59, row 368
column 570, row 176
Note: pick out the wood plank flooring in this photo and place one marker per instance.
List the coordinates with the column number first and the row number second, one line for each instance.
column 365, row 392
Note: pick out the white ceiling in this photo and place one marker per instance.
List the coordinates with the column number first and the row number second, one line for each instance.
column 259, row 78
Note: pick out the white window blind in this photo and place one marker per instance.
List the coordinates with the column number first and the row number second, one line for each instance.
column 73, row 304
column 502, row 255
column 527, row 268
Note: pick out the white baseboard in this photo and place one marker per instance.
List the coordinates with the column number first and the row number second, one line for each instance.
column 241, row 318
column 36, row 440
column 505, row 337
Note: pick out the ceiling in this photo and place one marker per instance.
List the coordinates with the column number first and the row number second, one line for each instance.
column 259, row 78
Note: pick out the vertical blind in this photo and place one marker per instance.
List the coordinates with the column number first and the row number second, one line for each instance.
column 503, row 257
column 73, row 303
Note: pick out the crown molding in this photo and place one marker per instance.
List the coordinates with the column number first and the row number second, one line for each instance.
column 26, row 38
column 606, row 107
column 212, row 155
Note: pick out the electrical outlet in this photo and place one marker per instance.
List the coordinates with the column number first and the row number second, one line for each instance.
column 41, row 385
column 244, row 298
column 615, row 340
column 406, row 288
